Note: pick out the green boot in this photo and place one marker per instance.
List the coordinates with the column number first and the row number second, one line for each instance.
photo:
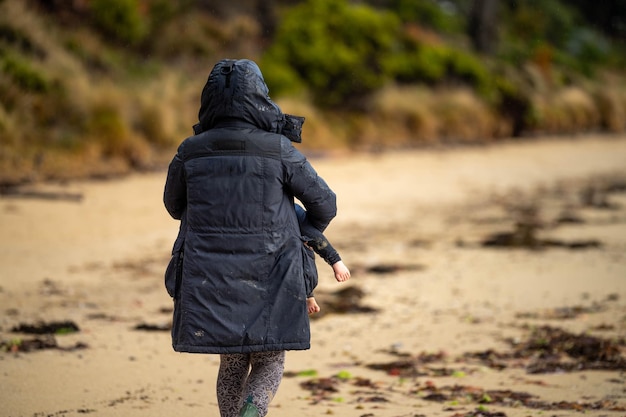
column 249, row 409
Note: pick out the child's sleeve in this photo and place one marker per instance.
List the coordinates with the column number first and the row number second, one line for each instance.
column 316, row 239
column 325, row 250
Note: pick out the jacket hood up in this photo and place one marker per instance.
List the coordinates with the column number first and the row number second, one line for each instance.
column 236, row 90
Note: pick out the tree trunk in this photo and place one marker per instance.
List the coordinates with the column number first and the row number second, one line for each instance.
column 266, row 13
column 483, row 25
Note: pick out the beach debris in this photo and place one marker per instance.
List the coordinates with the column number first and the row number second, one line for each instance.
column 602, row 327
column 524, row 235
column 39, row 343
column 470, row 394
column 481, row 412
column 404, row 368
column 612, row 297
column 344, row 301
column 563, row 313
column 47, row 331
column 527, row 223
column 558, row 350
column 49, row 287
column 102, row 316
column 507, row 398
column 35, row 194
column 53, row 327
column 597, row 196
column 491, row 358
column 164, row 327
column 145, row 267
column 166, row 310
column 573, row 244
column 530, row 214
column 550, row 349
column 372, row 399
column 383, row 269
column 412, row 366
column 306, row 372
column 569, row 217
column 327, row 388
column 546, row 350
column 321, row 389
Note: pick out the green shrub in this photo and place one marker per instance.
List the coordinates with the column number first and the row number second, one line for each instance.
column 530, row 29
column 539, row 21
column 587, row 50
column 22, row 73
column 120, row 19
column 94, row 60
column 335, row 48
column 429, row 13
column 281, row 79
column 108, row 127
column 513, row 104
column 19, row 40
column 162, row 12
column 470, row 70
column 423, row 63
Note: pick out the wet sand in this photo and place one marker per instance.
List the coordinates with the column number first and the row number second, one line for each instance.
column 438, row 324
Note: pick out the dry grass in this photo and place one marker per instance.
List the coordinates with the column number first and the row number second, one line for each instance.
column 317, row 132
column 568, row 110
column 610, row 99
column 400, row 117
column 576, row 109
column 97, row 118
column 414, row 115
column 463, row 117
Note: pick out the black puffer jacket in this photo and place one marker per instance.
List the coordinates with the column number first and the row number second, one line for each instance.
column 237, row 265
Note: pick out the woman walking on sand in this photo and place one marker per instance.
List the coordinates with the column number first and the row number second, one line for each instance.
column 236, row 273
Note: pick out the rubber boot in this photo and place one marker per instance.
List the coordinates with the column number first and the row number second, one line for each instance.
column 249, row 409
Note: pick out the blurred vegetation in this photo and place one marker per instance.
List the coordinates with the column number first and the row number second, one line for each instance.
column 97, row 88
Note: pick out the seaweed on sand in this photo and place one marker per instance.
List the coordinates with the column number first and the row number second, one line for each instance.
column 506, row 398
column 344, row 301
column 53, row 327
column 37, row 343
column 549, row 349
column 554, row 349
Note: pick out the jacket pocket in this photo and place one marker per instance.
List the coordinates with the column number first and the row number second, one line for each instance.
column 174, row 274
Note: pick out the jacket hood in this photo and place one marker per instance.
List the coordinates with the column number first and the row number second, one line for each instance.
column 236, row 90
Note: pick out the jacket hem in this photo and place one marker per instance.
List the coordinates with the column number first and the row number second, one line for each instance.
column 240, row 349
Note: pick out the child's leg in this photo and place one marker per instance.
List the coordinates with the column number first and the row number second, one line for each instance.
column 265, row 376
column 230, row 383
column 312, row 305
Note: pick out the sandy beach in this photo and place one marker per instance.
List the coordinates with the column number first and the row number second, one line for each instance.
column 485, row 281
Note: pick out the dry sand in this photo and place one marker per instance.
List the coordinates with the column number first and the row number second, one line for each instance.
column 410, row 226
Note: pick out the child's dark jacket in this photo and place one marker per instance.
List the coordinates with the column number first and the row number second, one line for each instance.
column 236, row 274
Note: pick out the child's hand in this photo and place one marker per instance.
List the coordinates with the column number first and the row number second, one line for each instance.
column 342, row 273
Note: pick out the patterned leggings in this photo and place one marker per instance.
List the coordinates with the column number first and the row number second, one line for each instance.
column 250, row 374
